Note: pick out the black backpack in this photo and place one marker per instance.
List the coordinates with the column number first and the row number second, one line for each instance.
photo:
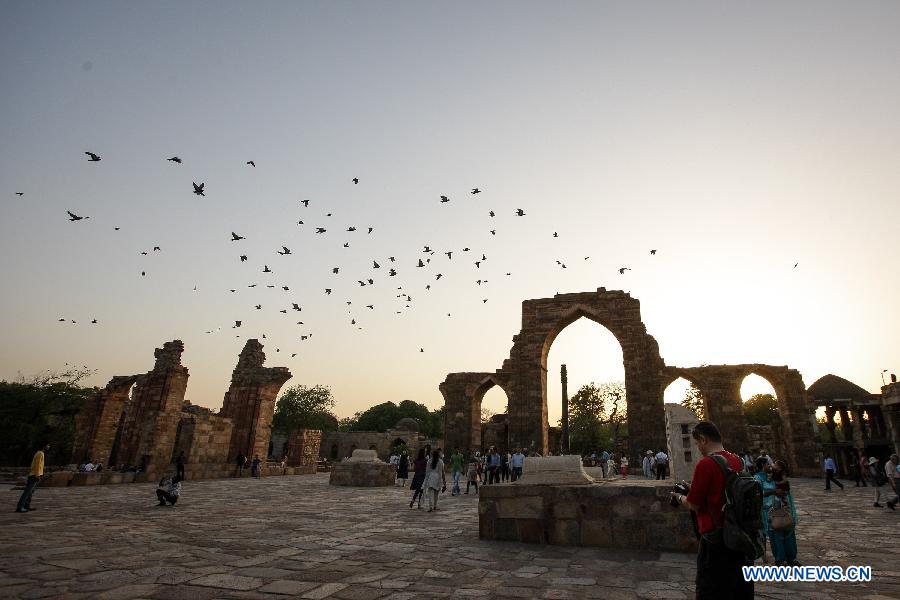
column 741, row 525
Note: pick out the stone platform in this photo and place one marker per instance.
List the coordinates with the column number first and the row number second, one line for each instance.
column 633, row 515
column 363, row 469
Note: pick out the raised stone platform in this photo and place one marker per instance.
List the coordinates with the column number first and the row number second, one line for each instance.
column 633, row 515
column 363, row 469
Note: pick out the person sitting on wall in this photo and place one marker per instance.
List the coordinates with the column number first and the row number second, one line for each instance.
column 169, row 491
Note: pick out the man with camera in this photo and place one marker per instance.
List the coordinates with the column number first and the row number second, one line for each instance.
column 719, row 568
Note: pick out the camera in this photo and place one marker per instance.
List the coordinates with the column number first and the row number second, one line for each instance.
column 679, row 488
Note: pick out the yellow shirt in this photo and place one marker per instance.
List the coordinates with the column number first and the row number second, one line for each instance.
column 37, row 464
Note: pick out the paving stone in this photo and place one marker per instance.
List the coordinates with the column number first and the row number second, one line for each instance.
column 228, row 581
column 324, row 591
column 289, row 587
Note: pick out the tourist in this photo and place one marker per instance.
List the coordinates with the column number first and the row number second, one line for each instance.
column 472, row 476
column 435, row 481
column 765, row 455
column 494, row 469
column 768, row 488
column 419, row 466
column 169, row 491
column 830, row 470
column 662, row 465
column 504, row 466
column 283, row 466
column 892, row 472
column 256, row 467
column 179, row 465
column 456, row 467
column 403, row 468
column 98, row 467
column 239, row 464
column 517, row 463
column 613, row 465
column 784, row 541
column 647, row 464
column 876, row 476
column 748, row 461
column 623, row 466
column 35, row 473
column 88, row 467
column 719, row 569
column 604, row 460
column 862, row 469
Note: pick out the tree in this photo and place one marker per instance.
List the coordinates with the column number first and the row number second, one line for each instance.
column 693, row 399
column 302, row 407
column 761, row 409
column 384, row 416
column 613, row 395
column 40, row 409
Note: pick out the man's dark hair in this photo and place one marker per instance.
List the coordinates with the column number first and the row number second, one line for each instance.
column 708, row 430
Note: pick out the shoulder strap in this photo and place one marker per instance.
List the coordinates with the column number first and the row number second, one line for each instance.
column 722, row 462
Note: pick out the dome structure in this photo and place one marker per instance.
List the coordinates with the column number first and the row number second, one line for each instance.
column 407, row 424
column 832, row 387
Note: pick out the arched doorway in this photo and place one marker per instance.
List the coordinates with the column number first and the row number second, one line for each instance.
column 687, row 393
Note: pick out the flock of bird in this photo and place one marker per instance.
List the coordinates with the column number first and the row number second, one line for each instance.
column 392, row 267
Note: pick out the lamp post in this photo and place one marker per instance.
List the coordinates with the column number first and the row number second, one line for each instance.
column 565, row 411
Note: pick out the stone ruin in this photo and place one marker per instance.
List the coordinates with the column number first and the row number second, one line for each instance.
column 144, row 420
column 363, row 469
column 523, row 376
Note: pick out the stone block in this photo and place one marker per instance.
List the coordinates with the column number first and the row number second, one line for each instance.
column 86, row 478
column 529, row 507
column 554, row 470
column 363, row 474
column 361, row 455
column 57, row 479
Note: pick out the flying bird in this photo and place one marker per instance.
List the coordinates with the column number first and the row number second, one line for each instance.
column 235, row 237
column 259, row 307
column 321, row 230
column 372, row 306
column 623, row 269
column 392, row 272
column 295, row 306
column 421, row 264
column 493, row 232
column 795, row 265
column 355, row 180
column 94, row 322
column 445, row 199
column 93, row 157
column 391, row 258
column 20, row 193
column 335, row 270
column 439, row 275
column 652, row 252
column 237, row 323
column 285, row 288
column 305, row 203
column 284, row 250
column 175, row 159
column 251, row 163
column 491, row 214
column 520, row 212
column 346, row 244
column 371, row 229
column 266, row 269
column 144, row 253
column 198, row 189
column 328, row 291
column 477, row 264
column 475, row 191
column 556, row 235
column 156, row 248
column 484, row 301
column 243, row 257
column 376, row 265
column 73, row 217
column 351, row 229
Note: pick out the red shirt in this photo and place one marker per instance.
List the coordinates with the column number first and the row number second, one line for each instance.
column 708, row 489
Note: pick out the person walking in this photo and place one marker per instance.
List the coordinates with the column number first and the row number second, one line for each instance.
column 239, row 464
column 435, row 481
column 472, row 476
column 35, row 473
column 623, row 466
column 662, row 465
column 419, row 466
column 762, row 475
column 877, row 478
column 647, row 464
column 179, row 465
column 830, row 470
column 719, row 569
column 892, row 472
column 494, row 470
column 861, row 470
column 516, row 463
column 504, row 466
column 604, row 460
column 456, row 467
column 403, row 468
column 256, row 467
column 783, row 539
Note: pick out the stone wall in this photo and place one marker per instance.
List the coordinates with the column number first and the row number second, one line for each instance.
column 345, row 442
column 150, row 427
column 250, row 401
column 97, row 422
column 303, row 449
column 204, row 438
column 634, row 516
column 683, row 454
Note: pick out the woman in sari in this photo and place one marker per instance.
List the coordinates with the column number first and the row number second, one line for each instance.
column 784, row 541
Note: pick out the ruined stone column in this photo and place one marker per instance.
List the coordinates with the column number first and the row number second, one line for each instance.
column 96, row 423
column 250, row 401
column 722, row 393
column 303, row 449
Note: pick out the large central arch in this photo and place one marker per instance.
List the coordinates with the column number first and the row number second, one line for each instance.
column 524, row 374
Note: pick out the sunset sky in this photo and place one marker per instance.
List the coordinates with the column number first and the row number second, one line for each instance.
column 737, row 140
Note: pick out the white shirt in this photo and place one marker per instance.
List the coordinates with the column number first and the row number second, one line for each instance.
column 517, row 460
column 88, row 467
column 662, row 457
column 395, row 460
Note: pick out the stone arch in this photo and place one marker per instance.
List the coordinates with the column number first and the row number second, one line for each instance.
column 542, row 321
column 462, row 394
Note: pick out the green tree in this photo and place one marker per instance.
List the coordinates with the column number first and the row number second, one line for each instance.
column 693, row 399
column 38, row 409
column 302, row 407
column 761, row 409
column 384, row 416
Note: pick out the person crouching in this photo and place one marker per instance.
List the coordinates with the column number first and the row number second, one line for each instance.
column 169, row 491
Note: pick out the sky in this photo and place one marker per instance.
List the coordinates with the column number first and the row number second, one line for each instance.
column 735, row 139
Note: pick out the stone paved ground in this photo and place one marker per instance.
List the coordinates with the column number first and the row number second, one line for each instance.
column 284, row 537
